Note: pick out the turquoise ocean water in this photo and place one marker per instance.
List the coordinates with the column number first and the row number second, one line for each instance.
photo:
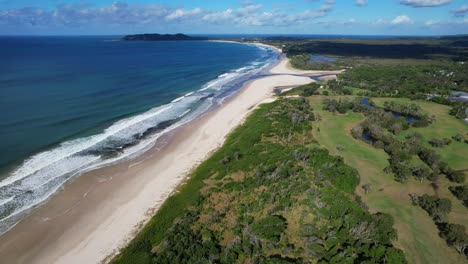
column 71, row 104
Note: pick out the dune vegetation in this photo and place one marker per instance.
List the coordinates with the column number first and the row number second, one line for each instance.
column 368, row 168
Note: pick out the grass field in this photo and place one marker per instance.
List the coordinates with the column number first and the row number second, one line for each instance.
column 446, row 126
column 418, row 235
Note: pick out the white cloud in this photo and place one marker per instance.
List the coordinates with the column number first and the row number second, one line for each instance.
column 380, row 21
column 431, row 22
column 402, row 20
column 253, row 16
column 424, row 3
column 122, row 13
column 445, row 24
column 461, row 11
column 361, row 2
column 182, row 13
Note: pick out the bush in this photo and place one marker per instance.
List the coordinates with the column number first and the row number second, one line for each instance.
column 456, row 236
column 270, row 228
column 458, row 137
column 461, row 192
column 438, row 143
column 437, row 208
column 459, row 110
column 456, row 176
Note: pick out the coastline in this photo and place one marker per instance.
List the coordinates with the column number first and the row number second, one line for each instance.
column 99, row 213
column 248, row 43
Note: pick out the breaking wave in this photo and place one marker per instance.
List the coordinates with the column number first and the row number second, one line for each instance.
column 43, row 174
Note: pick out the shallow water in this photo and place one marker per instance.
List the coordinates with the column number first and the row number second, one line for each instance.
column 71, row 104
column 408, row 118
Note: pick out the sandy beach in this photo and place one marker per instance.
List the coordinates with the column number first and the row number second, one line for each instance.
column 99, row 212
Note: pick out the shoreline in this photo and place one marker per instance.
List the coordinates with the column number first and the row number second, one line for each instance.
column 249, row 43
column 97, row 149
column 98, row 213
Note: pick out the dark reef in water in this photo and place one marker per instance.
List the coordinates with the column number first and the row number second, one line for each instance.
column 161, row 37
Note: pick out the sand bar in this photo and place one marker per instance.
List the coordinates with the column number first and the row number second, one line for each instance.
column 101, row 210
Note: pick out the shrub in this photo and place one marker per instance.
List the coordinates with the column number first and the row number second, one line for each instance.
column 458, row 137
column 438, row 143
column 270, row 227
column 437, row 208
column 456, row 176
column 456, row 236
column 461, row 192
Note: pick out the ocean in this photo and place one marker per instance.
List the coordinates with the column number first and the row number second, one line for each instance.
column 73, row 104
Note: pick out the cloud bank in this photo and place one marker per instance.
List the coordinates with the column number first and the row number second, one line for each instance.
column 425, row 3
column 122, row 13
column 402, row 20
column 461, row 11
column 249, row 17
column 361, row 2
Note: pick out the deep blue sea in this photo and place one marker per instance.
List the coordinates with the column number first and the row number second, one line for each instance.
column 71, row 104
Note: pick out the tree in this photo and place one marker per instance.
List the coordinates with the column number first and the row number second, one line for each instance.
column 421, row 173
column 396, row 128
column 458, row 137
column 455, row 235
column 461, row 192
column 459, row 110
column 438, row 143
column 456, row 176
column 379, row 144
column 437, row 208
column 357, row 131
column 270, row 227
column 367, row 188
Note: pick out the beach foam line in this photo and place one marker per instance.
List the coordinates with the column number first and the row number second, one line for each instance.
column 4, row 201
column 43, row 174
column 178, row 99
column 184, row 113
column 66, row 149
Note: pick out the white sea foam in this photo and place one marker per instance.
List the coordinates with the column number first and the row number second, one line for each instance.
column 184, row 113
column 177, row 99
column 41, row 175
column 4, row 201
column 66, row 149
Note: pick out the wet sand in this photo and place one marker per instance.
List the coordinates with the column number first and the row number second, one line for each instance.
column 100, row 211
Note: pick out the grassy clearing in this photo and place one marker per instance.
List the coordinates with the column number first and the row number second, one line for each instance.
column 418, row 236
column 446, row 126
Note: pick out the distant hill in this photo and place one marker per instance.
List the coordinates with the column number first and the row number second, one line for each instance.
column 160, row 37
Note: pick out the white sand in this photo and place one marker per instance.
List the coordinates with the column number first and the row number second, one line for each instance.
column 251, row 43
column 105, row 223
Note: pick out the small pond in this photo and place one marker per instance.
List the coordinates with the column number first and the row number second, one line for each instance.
column 366, row 135
column 458, row 96
column 408, row 118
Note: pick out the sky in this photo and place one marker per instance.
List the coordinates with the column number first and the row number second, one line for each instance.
column 347, row 17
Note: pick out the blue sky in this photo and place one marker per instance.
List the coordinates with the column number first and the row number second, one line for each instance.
column 357, row 17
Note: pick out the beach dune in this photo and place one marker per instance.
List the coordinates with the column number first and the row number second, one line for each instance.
column 101, row 211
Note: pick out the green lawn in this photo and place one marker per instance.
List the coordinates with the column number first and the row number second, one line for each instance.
column 418, row 236
column 446, row 126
